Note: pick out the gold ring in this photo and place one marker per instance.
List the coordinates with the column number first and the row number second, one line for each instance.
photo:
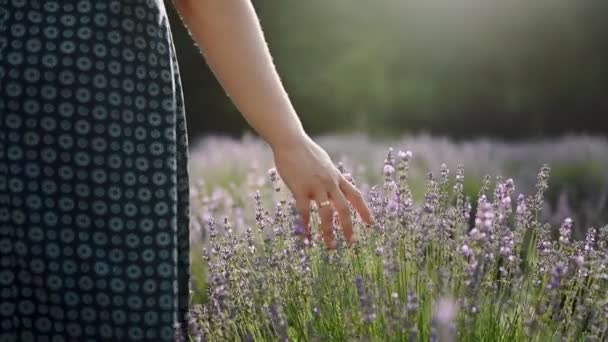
column 324, row 204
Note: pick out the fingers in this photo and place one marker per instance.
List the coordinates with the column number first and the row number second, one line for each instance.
column 356, row 199
column 303, row 207
column 326, row 213
column 343, row 209
column 339, row 194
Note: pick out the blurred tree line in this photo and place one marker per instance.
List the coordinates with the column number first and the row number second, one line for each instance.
column 503, row 68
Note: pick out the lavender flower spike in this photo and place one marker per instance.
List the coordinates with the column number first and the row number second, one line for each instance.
column 443, row 319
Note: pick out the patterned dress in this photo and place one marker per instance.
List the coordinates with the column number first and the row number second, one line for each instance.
column 94, row 198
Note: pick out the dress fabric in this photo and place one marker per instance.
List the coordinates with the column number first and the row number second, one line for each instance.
column 94, row 196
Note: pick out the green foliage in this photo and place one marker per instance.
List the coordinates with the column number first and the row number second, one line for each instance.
column 574, row 185
column 199, row 277
column 506, row 68
column 579, row 180
column 509, row 269
column 416, row 274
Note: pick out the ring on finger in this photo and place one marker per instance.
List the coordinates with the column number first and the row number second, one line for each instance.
column 324, row 204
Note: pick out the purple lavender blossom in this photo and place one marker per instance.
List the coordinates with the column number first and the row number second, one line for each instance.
column 445, row 313
column 273, row 174
column 405, row 156
column 299, row 227
column 521, row 205
column 412, row 302
column 367, row 307
column 506, row 246
column 565, row 231
column 260, row 279
column 389, row 170
column 278, row 322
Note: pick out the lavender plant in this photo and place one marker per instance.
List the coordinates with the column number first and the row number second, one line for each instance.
column 435, row 270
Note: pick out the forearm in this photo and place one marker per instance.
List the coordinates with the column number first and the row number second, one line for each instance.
column 230, row 37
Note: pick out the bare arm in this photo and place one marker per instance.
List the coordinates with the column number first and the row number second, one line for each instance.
column 229, row 36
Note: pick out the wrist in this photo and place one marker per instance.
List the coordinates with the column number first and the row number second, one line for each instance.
column 287, row 138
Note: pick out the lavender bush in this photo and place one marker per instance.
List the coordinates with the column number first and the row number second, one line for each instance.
column 579, row 183
column 443, row 267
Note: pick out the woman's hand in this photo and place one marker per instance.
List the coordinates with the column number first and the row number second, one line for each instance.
column 310, row 174
column 226, row 31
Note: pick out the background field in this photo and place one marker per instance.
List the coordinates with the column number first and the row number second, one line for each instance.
column 512, row 69
column 416, row 274
column 501, row 87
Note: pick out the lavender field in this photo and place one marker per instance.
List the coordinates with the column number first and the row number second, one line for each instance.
column 472, row 241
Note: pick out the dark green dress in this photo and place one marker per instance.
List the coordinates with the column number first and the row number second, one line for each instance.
column 94, row 199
